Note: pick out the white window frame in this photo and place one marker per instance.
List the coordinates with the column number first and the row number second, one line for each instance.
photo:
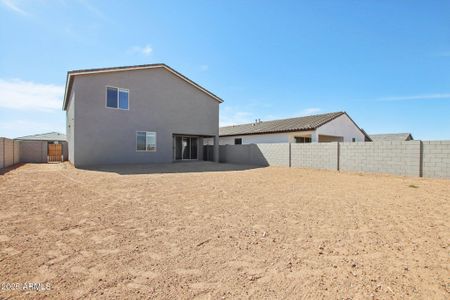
column 156, row 142
column 118, row 92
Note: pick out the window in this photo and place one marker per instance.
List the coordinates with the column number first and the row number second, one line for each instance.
column 146, row 141
column 238, row 141
column 353, row 140
column 302, row 139
column 116, row 98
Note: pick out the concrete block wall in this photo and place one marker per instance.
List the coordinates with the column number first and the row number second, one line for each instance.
column 235, row 154
column 256, row 154
column 408, row 158
column 270, row 154
column 436, row 159
column 398, row 158
column 315, row 155
column 16, row 152
column 9, row 152
column 33, row 151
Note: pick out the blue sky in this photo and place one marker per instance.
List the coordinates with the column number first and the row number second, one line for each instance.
column 387, row 63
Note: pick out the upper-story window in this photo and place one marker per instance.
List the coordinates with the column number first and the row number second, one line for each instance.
column 117, row 98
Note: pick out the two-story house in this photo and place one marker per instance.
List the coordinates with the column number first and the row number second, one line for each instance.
column 138, row 114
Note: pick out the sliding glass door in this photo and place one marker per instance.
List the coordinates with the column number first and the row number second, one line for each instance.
column 186, row 147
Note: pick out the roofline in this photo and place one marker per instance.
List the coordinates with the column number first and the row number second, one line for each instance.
column 360, row 129
column 269, row 132
column 40, row 140
column 400, row 133
column 338, row 114
column 71, row 74
column 304, row 129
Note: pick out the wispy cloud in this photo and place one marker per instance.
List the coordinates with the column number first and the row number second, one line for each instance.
column 144, row 50
column 28, row 95
column 12, row 5
column 309, row 111
column 93, row 10
column 204, row 67
column 416, row 97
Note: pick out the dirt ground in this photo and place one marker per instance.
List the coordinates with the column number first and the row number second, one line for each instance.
column 210, row 231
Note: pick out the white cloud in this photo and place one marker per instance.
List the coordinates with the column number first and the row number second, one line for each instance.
column 28, row 95
column 145, row 50
column 12, row 5
column 416, row 97
column 309, row 111
column 204, row 67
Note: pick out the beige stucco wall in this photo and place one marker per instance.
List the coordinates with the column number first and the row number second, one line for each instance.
column 285, row 137
column 343, row 127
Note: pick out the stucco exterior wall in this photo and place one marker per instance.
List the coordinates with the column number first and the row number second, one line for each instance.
column 272, row 138
column 65, row 146
column 70, row 126
column 159, row 102
column 256, row 139
column 33, row 151
column 341, row 126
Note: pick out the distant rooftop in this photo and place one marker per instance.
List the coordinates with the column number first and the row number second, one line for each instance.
column 49, row 136
column 285, row 125
column 391, row 137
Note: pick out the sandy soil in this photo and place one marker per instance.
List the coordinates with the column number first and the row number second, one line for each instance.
column 205, row 231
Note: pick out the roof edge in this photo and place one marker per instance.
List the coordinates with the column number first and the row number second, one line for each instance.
column 339, row 113
column 269, row 132
column 72, row 73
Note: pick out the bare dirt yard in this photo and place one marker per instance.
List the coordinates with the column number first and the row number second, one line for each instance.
column 205, row 230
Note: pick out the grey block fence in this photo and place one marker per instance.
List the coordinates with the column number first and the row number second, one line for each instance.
column 409, row 158
column 14, row 151
column 9, row 152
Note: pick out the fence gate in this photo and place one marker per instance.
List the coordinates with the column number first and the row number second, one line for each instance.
column 55, row 152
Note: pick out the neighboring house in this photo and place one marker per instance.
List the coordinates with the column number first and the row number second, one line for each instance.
column 391, row 137
column 137, row 114
column 44, row 147
column 330, row 127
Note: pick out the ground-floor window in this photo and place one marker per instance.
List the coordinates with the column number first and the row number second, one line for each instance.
column 146, row 141
column 302, row 139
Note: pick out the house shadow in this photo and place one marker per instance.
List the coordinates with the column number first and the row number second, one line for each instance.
column 10, row 168
column 167, row 168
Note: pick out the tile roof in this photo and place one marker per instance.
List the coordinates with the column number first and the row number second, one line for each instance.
column 284, row 125
column 391, row 137
column 49, row 136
